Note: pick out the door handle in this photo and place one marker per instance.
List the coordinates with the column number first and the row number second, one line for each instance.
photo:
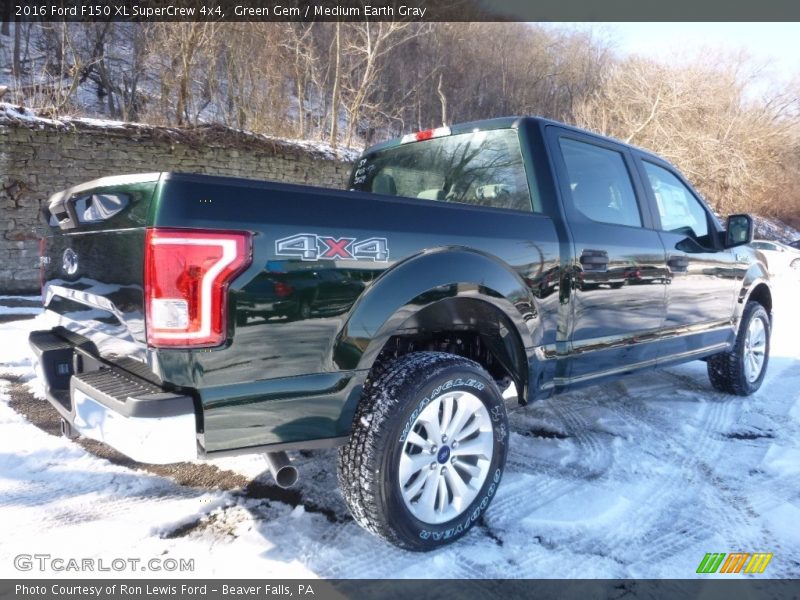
column 678, row 263
column 594, row 260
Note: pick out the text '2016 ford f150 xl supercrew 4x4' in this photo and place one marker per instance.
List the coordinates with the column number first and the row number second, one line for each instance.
column 200, row 316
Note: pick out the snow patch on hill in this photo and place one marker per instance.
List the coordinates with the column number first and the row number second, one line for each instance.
column 774, row 229
column 19, row 115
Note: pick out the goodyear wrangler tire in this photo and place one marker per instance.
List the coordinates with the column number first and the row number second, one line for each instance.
column 741, row 370
column 427, row 450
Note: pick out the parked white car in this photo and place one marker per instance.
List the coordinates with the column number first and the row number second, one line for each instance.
column 781, row 259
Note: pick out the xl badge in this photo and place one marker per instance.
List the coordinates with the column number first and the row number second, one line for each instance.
column 70, row 261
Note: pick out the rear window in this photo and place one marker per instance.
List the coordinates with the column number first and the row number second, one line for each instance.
column 99, row 207
column 483, row 168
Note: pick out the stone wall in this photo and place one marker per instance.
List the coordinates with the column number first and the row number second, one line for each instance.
column 40, row 156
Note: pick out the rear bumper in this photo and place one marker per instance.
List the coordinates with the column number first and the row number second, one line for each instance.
column 115, row 407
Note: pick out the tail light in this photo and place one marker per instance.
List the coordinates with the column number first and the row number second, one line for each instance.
column 427, row 134
column 186, row 277
column 283, row 290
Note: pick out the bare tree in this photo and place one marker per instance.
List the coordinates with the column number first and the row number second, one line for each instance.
column 337, row 76
column 367, row 45
column 16, row 65
column 733, row 148
column 443, row 99
column 298, row 42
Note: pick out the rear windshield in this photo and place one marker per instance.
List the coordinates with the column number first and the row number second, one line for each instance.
column 483, row 168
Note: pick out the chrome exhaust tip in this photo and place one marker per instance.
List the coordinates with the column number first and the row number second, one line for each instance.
column 284, row 474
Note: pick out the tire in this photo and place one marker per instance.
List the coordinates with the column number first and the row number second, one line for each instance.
column 304, row 310
column 734, row 372
column 430, row 513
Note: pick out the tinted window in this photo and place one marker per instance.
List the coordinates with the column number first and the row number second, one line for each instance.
column 483, row 168
column 679, row 209
column 600, row 183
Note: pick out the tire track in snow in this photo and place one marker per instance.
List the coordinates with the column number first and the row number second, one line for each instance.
column 655, row 516
column 724, row 508
column 192, row 476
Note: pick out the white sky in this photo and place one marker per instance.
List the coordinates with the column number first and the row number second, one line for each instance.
column 774, row 44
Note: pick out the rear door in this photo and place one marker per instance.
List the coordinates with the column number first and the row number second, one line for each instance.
column 615, row 308
column 702, row 274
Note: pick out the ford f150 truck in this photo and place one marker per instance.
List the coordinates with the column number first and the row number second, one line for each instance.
column 203, row 316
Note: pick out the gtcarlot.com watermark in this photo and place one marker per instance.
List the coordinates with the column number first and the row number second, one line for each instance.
column 59, row 564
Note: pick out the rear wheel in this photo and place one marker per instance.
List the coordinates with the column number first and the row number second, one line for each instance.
column 741, row 370
column 427, row 450
column 304, row 310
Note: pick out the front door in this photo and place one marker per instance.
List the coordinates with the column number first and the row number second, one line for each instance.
column 701, row 294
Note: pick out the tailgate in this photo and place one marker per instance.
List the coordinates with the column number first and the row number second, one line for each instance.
column 93, row 263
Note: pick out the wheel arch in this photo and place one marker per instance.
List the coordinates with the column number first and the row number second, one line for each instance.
column 437, row 295
column 755, row 286
column 470, row 327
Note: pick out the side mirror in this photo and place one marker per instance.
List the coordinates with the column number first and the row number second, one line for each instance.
column 738, row 230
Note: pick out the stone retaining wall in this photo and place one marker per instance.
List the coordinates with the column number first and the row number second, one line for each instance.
column 40, row 156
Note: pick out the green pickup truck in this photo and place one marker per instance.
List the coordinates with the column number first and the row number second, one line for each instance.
column 467, row 267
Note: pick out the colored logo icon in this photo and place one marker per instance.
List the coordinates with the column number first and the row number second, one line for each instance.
column 737, row 562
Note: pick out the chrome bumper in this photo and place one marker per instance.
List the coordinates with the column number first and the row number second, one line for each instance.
column 154, row 440
column 114, row 406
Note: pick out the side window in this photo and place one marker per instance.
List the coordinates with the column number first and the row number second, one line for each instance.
column 679, row 209
column 600, row 183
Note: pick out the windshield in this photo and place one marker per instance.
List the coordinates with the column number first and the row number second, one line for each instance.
column 483, row 168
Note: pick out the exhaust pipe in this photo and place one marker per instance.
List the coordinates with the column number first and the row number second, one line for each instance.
column 283, row 472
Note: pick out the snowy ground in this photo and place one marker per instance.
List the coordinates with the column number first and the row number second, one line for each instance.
column 638, row 478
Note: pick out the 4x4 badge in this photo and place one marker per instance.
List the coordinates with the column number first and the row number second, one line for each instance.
column 310, row 246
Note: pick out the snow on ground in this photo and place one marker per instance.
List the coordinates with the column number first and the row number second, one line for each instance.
column 638, row 478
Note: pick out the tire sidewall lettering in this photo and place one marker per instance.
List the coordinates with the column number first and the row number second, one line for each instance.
column 425, row 534
column 450, row 385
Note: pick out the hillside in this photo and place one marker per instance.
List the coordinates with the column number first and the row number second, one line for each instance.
column 352, row 84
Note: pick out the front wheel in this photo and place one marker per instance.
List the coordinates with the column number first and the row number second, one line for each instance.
column 741, row 370
column 427, row 451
